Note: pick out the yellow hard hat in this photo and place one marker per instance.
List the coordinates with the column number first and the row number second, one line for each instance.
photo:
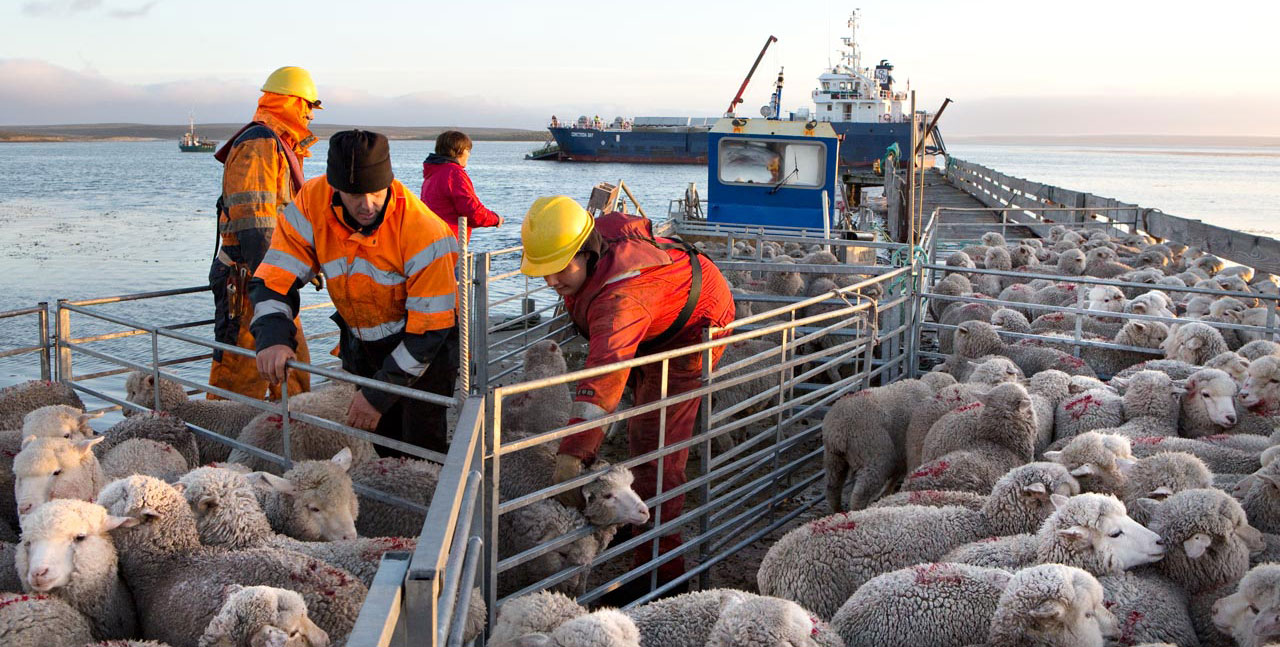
column 295, row 82
column 553, row 231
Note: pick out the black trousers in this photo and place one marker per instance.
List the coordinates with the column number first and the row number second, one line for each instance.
column 411, row 421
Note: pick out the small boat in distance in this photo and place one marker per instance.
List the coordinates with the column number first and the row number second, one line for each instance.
column 192, row 143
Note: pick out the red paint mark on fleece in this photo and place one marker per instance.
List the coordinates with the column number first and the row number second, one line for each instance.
column 834, row 523
column 1080, row 406
column 924, row 496
column 23, row 598
column 1072, row 361
column 1130, row 626
column 935, row 470
column 968, row 407
column 1150, row 440
column 931, row 574
column 988, row 540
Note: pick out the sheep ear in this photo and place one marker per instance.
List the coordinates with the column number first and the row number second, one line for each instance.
column 271, row 481
column 1251, row 537
column 1139, row 326
column 1125, row 465
column 1162, row 492
column 86, row 417
column 27, row 440
column 1270, row 480
column 1074, row 534
column 343, row 459
column 114, row 522
column 86, row 446
column 1194, row 343
column 1053, row 455
column 1196, row 546
column 205, row 503
column 1084, row 470
column 1035, row 489
column 149, row 379
column 1058, row 501
column 1047, row 611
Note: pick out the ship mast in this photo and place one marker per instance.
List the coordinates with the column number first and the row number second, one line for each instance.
column 853, row 55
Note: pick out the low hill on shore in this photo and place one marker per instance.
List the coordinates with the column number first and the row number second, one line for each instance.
column 143, row 132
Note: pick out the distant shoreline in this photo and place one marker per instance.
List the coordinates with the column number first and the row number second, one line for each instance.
column 1210, row 141
column 220, row 132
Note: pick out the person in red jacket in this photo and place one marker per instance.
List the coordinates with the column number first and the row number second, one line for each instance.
column 447, row 189
column 630, row 294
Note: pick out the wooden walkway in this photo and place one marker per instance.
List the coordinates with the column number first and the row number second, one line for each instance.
column 941, row 193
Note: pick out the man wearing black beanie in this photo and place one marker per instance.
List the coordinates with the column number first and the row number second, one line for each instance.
column 390, row 267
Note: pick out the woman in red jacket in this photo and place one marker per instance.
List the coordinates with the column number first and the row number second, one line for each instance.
column 447, row 189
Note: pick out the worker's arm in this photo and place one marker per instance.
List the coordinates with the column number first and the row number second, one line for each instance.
column 463, row 194
column 432, row 298
column 256, row 173
column 618, row 323
column 285, row 268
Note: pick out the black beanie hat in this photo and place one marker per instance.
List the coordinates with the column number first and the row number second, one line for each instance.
column 359, row 162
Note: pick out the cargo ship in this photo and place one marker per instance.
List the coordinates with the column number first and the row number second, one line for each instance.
column 861, row 104
column 193, row 143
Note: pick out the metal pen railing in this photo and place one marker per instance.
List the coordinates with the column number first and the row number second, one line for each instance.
column 42, row 345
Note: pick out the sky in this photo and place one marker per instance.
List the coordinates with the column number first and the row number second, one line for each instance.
column 1013, row 68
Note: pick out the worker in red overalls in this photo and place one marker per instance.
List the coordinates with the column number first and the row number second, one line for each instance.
column 630, row 295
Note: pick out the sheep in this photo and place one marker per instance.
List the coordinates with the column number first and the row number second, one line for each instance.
column 957, row 314
column 1260, row 392
column 865, row 433
column 1051, row 606
column 609, row 503
column 55, row 468
column 66, row 552
column 604, row 628
column 1252, row 613
column 953, row 285
column 160, row 427
column 820, row 564
column 52, row 421
column 1160, row 476
column 1255, row 350
column 1219, row 458
column 1066, row 322
column 1102, row 263
column 1072, row 262
column 1019, row 293
column 1232, row 364
column 1012, row 552
column 20, row 399
column 1173, row 368
column 998, row 431
column 1099, row 461
column 540, row 410
column 982, row 377
column 538, row 612
column 225, row 417
column 933, row 498
column 727, row 398
column 41, row 620
column 1208, row 407
column 1261, row 498
column 1142, row 334
column 1107, row 298
column 307, row 441
column 144, row 456
column 1194, row 343
column 262, row 615
column 765, row 622
column 976, row 339
column 313, row 501
column 936, row 604
column 1047, row 389
column 178, row 584
column 413, row 480
column 1095, row 408
column 1056, row 294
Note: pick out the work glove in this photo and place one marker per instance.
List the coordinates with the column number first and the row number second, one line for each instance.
column 568, row 467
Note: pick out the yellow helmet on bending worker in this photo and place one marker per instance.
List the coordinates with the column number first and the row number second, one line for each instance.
column 554, row 230
column 294, row 82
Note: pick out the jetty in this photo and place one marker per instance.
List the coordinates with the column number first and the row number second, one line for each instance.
column 756, row 464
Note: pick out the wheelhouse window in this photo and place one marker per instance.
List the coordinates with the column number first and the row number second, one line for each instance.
column 776, row 163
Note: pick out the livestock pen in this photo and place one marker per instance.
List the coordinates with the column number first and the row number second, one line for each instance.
column 755, row 463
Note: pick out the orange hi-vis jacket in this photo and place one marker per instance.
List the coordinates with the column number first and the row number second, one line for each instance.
column 394, row 287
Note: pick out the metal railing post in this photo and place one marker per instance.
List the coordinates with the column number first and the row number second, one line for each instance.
column 63, row 345
column 704, row 578
column 46, row 370
column 464, row 314
column 481, row 339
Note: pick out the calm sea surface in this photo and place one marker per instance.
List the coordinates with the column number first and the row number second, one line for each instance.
column 81, row 220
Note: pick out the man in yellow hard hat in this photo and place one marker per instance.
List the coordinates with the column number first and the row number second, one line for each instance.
column 262, row 171
column 629, row 294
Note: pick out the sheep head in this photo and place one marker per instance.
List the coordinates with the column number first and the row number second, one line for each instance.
column 321, row 496
column 55, row 468
column 1099, row 461
column 1252, row 614
column 62, row 538
column 1262, row 382
column 1214, row 391
column 1207, row 536
column 59, row 421
column 1094, row 532
column 610, row 500
column 262, row 616
column 1020, row 500
column 1052, row 604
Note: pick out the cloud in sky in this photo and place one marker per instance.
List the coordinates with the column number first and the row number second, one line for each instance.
column 34, row 92
column 45, row 8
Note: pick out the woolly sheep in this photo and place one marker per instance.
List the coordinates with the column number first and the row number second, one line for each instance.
column 952, row 285
column 1047, row 389
column 160, row 427
column 1251, row 615
column 1231, row 364
column 1072, row 262
column 307, row 441
column 1207, row 539
column 254, row 616
column 1261, row 389
column 999, row 431
column 41, row 621
column 1098, row 461
column 982, row 377
column 221, row 416
column 1094, row 532
column 1257, row 349
column 1107, row 298
column 1012, row 552
column 313, row 501
column 178, row 584
column 865, row 433
column 976, row 339
column 1173, row 368
column 604, row 628
column 144, row 456
column 768, row 622
column 1066, row 322
column 820, row 564
column 1218, row 457
column 1102, row 263
column 1261, row 498
column 410, row 479
column 1194, row 343
column 20, row 399
column 540, row 410
column 1142, row 334
column 1152, row 404
column 1051, row 606
column 933, row 498
column 1208, row 408
column 957, row 314
column 1160, row 476
column 538, row 612
column 935, row 604
column 55, row 468
column 66, row 552
column 52, row 421
column 1096, row 408
column 609, row 503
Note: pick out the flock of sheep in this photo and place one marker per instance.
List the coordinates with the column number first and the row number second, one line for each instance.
column 1019, row 494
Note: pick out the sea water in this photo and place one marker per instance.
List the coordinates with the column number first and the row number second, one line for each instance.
column 83, row 220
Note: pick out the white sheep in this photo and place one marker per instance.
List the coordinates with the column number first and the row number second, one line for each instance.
column 935, row 604
column 820, row 564
column 1098, row 461
column 1051, row 606
column 225, row 417
column 1208, row 408
column 1219, row 456
column 66, row 552
column 307, row 441
column 262, row 616
column 1160, row 476
column 40, row 620
column 1260, row 497
column 981, row 378
column 160, row 427
column 52, row 421
column 1251, row 615
column 413, row 480
column 1152, row 404
column 999, row 431
column 20, row 399
column 1194, row 343
column 55, row 468
column 313, row 501
column 1095, row 408
column 1107, row 298
column 975, row 339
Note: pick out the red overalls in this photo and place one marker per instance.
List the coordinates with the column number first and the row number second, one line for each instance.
column 634, row 295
